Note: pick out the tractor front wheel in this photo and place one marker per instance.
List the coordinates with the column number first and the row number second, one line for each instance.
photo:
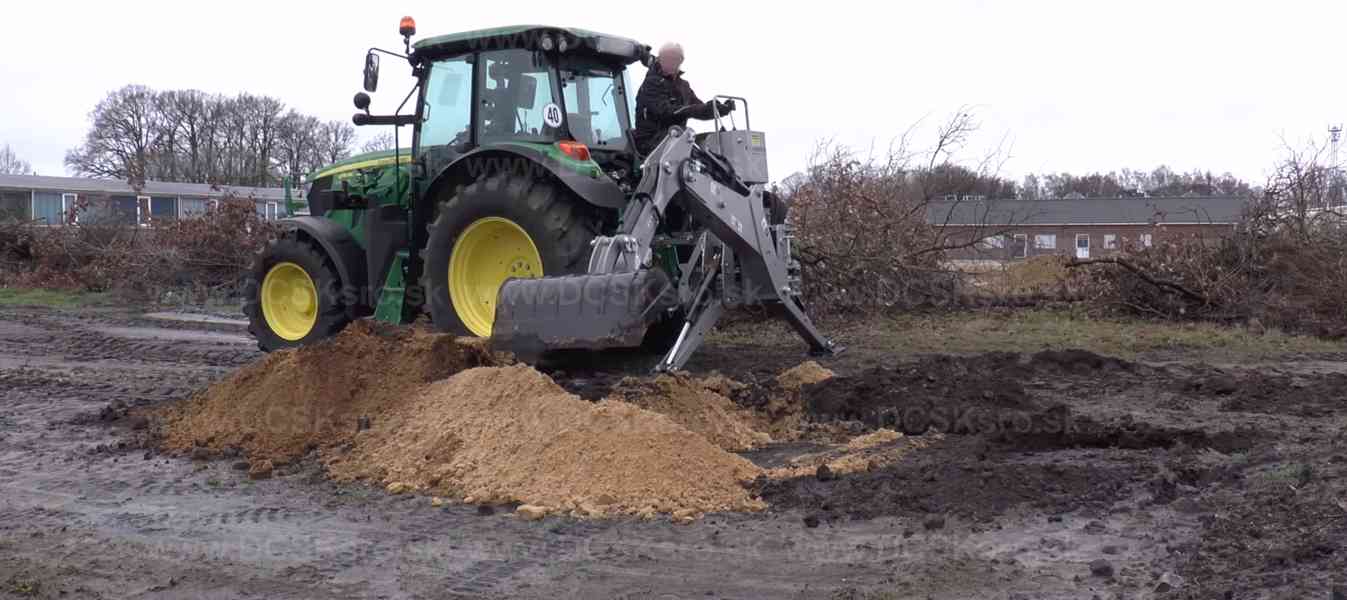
column 293, row 296
column 498, row 227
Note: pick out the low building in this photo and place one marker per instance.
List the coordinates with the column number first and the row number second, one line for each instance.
column 50, row 200
column 1080, row 227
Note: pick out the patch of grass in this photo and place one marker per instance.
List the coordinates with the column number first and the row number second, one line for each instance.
column 24, row 588
column 50, row 298
column 1032, row 330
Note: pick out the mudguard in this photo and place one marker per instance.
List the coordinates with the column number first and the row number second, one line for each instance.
column 344, row 252
column 595, row 187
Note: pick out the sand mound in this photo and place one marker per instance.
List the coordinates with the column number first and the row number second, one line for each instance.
column 778, row 407
column 860, row 454
column 803, row 374
column 696, row 404
column 314, row 396
column 511, row 434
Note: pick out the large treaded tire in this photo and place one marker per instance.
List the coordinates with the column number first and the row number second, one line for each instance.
column 332, row 316
column 559, row 223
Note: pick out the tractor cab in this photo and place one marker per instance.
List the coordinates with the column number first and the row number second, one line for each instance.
column 551, row 92
column 573, row 104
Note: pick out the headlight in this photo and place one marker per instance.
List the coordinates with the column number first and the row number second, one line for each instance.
column 546, row 43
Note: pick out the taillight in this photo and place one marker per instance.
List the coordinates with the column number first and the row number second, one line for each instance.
column 574, row 149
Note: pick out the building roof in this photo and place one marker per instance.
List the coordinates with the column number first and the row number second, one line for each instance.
column 1088, row 211
column 151, row 188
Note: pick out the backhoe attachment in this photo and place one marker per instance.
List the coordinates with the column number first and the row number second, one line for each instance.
column 739, row 258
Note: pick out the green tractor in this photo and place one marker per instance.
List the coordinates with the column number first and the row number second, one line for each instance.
column 524, row 213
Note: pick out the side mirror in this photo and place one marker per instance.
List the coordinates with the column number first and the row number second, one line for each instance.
column 371, row 72
column 362, row 101
column 528, row 92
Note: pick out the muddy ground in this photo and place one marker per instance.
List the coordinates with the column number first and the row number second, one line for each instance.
column 1053, row 475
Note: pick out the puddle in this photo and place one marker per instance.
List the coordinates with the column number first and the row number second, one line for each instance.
column 187, row 317
column 154, row 333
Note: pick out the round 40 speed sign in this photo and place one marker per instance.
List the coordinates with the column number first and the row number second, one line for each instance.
column 552, row 115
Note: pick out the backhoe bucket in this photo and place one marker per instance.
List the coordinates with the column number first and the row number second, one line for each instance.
column 590, row 312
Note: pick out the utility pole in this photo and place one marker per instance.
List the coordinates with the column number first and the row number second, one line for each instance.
column 1334, row 169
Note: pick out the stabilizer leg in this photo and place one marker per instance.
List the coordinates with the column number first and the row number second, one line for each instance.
column 705, row 312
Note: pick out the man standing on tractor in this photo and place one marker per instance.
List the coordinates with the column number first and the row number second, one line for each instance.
column 666, row 99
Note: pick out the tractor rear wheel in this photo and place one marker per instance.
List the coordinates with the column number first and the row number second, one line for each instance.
column 498, row 227
column 294, row 296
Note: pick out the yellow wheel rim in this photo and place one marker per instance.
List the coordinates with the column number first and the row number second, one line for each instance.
column 289, row 301
column 489, row 251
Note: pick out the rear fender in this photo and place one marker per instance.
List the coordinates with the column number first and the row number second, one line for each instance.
column 530, row 161
column 346, row 255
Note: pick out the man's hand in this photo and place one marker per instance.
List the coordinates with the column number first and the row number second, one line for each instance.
column 725, row 107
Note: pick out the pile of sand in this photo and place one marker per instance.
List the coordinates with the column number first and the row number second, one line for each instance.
column 697, row 405
column 803, row 374
column 417, row 411
column 780, row 409
column 511, row 434
column 318, row 395
column 859, row 454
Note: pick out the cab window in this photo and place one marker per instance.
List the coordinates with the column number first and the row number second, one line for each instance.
column 594, row 107
column 448, row 103
column 517, row 100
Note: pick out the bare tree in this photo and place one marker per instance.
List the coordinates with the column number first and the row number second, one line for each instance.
column 334, row 141
column 1161, row 181
column 383, row 141
column 11, row 164
column 874, row 232
column 122, row 137
column 186, row 135
column 298, row 145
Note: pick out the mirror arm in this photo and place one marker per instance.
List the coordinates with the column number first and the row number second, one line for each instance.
column 389, row 52
column 408, row 97
column 397, row 144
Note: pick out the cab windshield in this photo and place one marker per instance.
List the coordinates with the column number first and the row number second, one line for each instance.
column 596, row 111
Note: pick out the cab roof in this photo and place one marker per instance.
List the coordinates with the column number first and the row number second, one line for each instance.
column 582, row 41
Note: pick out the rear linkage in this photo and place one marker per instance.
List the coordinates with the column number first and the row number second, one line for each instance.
column 739, row 259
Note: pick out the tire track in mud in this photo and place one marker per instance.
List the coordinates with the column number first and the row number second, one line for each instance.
column 88, row 340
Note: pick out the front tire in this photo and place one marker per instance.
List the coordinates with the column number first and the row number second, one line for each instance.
column 294, row 296
column 498, row 227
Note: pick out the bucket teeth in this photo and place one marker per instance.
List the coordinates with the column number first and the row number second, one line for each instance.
column 591, row 312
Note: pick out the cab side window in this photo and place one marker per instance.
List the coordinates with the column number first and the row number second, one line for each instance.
column 448, row 109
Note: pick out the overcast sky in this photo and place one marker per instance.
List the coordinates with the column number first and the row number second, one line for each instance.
column 1074, row 85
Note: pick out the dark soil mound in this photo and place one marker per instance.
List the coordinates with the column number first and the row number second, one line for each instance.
column 974, row 478
column 1303, row 395
column 944, row 392
column 952, row 394
column 1059, row 428
column 1077, row 361
column 985, row 395
column 965, row 478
